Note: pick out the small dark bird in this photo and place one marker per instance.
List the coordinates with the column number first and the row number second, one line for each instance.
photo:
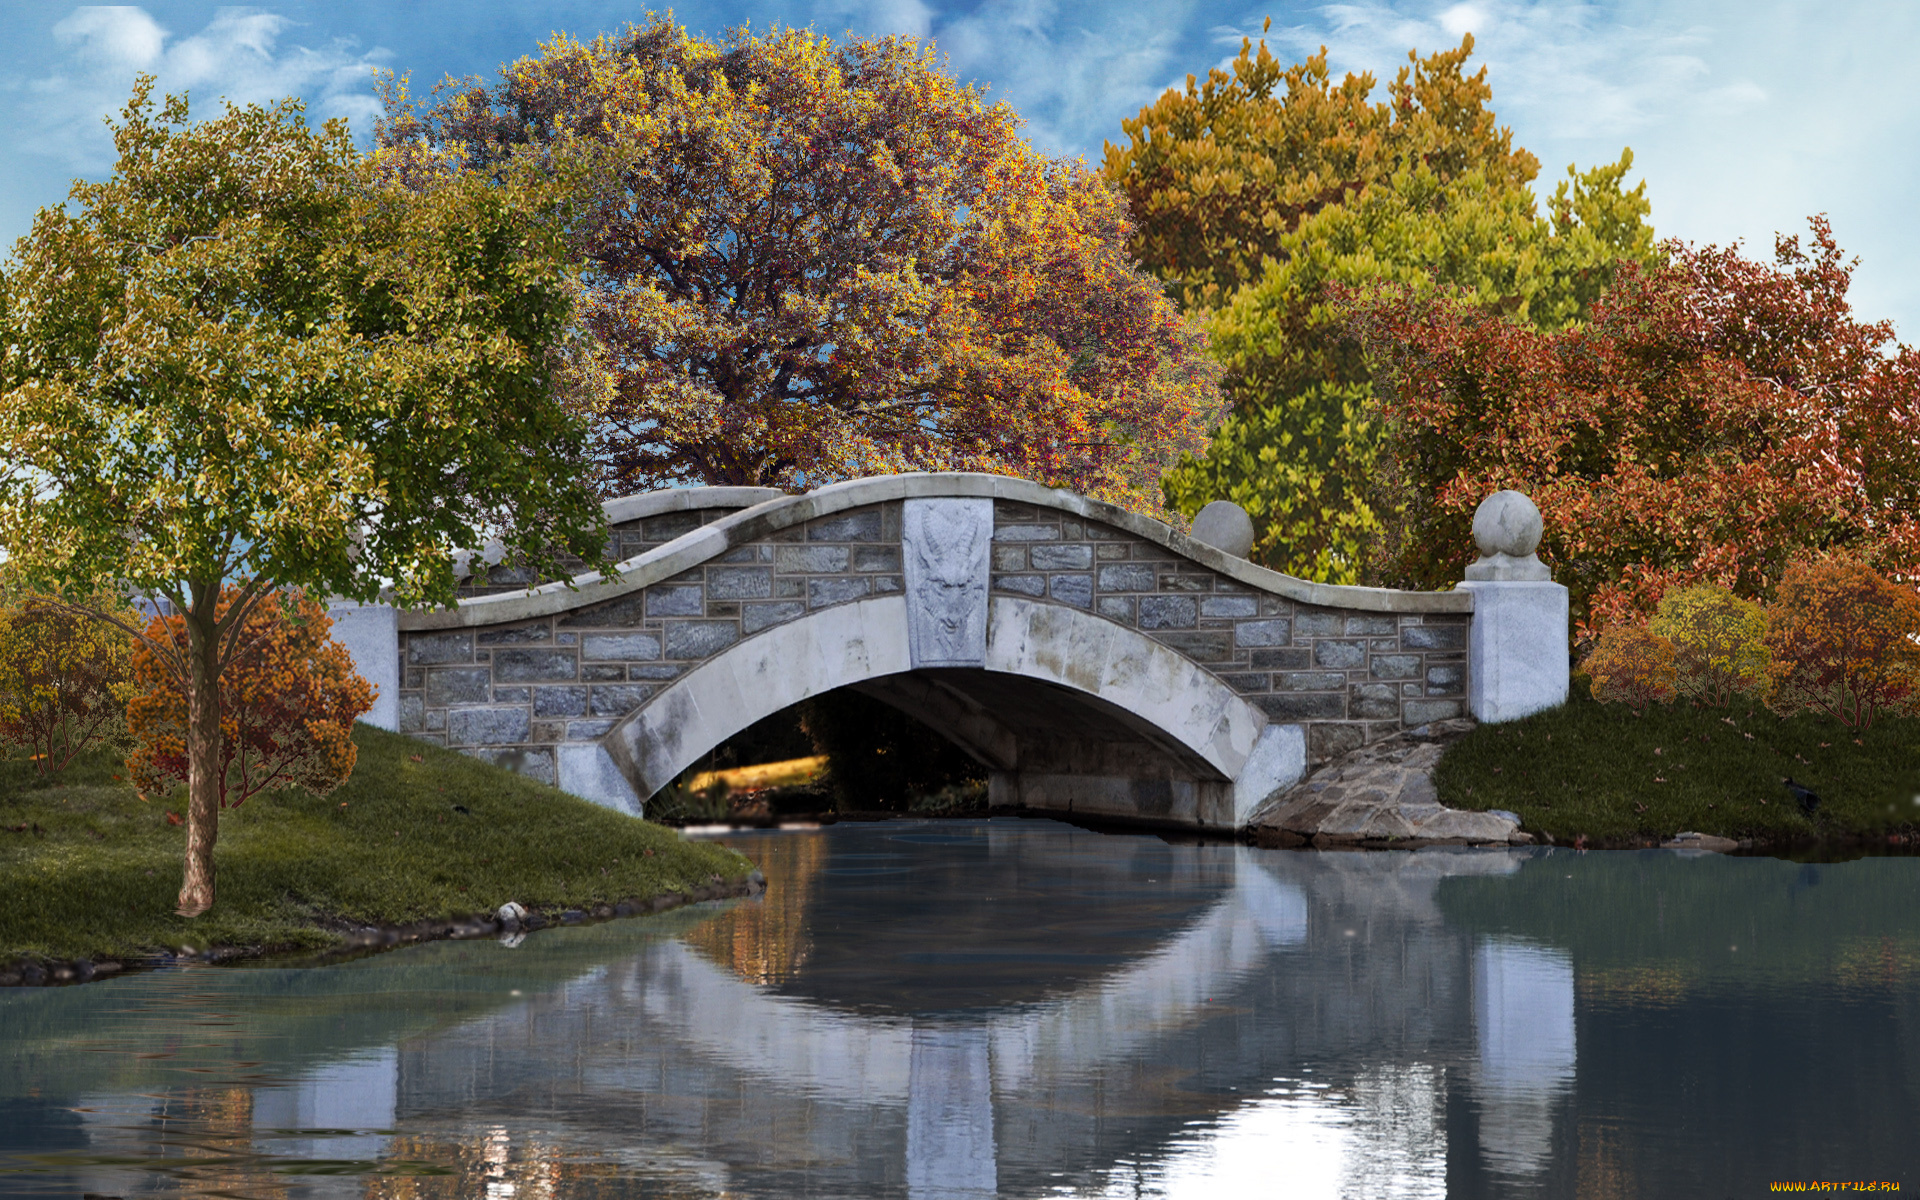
column 1808, row 798
column 461, row 808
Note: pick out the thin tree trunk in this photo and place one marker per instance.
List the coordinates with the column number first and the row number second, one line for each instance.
column 203, row 750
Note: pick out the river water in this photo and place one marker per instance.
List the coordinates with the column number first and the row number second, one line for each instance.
column 957, row 1010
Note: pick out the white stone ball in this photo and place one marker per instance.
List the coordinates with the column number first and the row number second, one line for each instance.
column 1506, row 523
column 1226, row 526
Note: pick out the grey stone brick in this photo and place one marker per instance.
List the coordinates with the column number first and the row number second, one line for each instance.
column 1291, row 658
column 1110, row 551
column 1128, row 577
column 1169, row 612
column 1186, row 583
column 566, row 639
column 559, row 701
column 886, row 583
column 698, row 639
column 1309, row 681
column 1076, row 590
column 1331, row 741
column 413, row 714
column 1009, row 558
column 617, row 700
column 1376, row 701
column 786, row 587
column 481, row 656
column 436, row 719
column 1203, row 647
column 1446, row 679
column 812, row 560
column 1411, row 689
column 626, row 611
column 534, row 764
column 426, row 649
column 1117, row 608
column 1419, row 712
column 739, row 583
column 1303, row 706
column 600, row 673
column 584, row 731
column 755, row 617
column 416, row 678
column 458, row 685
column 876, row 558
column 1021, row 585
column 1339, row 655
column 1433, row 637
column 667, row 526
column 654, row 671
column 1229, row 606
column 521, row 636
column 846, row 527
column 533, row 666
column 1318, row 622
column 1076, row 557
column 1371, row 625
column 822, row 592
column 1275, row 631
column 1026, row 533
column 620, row 647
column 490, row 726
column 549, row 731
column 1248, row 682
column 512, row 695
column 1395, row 666
column 739, row 554
column 676, row 600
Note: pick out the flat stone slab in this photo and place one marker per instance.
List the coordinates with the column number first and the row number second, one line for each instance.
column 1383, row 793
column 1701, row 841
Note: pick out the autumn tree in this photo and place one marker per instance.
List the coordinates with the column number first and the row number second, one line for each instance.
column 1633, row 666
column 250, row 360
column 804, row 261
column 1716, row 418
column 1264, row 195
column 64, row 678
column 288, row 701
column 1719, row 640
column 1845, row 641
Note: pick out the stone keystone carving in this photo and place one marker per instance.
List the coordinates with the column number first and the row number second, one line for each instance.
column 947, row 544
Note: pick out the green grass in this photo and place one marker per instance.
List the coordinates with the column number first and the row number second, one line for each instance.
column 100, row 878
column 1599, row 770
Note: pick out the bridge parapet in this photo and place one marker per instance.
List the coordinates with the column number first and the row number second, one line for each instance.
column 557, row 681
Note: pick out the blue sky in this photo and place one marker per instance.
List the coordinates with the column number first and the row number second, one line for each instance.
column 1745, row 116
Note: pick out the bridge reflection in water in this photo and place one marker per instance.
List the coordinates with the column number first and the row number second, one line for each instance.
column 1034, row 1008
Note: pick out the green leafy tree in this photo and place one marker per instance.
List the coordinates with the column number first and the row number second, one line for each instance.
column 253, row 358
column 1265, row 198
column 804, row 261
column 1719, row 640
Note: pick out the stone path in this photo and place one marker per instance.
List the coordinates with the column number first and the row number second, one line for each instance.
column 1379, row 796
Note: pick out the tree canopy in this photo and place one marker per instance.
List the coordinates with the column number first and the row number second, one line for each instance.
column 1267, row 197
column 251, row 357
column 804, row 261
column 1717, row 420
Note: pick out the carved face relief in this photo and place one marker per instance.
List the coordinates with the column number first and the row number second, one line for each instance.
column 947, row 545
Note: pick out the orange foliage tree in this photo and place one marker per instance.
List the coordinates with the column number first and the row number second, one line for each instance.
column 1633, row 666
column 1717, row 417
column 64, row 677
column 288, row 701
column 804, row 261
column 1844, row 643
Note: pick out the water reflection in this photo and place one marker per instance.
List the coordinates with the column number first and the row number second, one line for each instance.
column 961, row 1010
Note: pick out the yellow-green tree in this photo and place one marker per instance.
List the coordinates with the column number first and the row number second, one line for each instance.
column 1719, row 640
column 252, row 359
column 1263, row 197
column 805, row 260
column 64, row 677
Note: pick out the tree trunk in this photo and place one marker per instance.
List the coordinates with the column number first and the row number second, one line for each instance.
column 203, row 750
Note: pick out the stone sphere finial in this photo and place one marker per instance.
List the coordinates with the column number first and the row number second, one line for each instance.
column 1507, row 529
column 1226, row 526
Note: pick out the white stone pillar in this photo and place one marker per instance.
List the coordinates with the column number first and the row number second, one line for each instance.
column 1517, row 661
column 371, row 633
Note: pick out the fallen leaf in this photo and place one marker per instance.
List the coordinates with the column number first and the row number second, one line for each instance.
column 173, row 818
column 1659, row 779
column 1748, row 736
column 1824, row 745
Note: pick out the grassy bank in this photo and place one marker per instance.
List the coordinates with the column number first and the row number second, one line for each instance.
column 419, row 833
column 1600, row 771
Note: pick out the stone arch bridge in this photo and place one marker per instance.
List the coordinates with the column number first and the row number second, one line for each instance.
column 1095, row 661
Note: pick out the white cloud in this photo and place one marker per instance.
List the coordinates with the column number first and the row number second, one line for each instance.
column 236, row 57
